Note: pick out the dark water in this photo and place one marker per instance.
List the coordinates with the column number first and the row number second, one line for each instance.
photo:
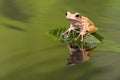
column 27, row 52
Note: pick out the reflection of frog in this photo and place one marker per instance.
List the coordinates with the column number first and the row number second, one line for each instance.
column 80, row 22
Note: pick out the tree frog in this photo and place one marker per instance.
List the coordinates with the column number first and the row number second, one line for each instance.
column 80, row 22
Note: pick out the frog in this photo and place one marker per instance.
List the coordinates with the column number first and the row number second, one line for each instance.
column 85, row 25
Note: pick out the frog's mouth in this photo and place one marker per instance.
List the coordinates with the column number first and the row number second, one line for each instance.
column 72, row 20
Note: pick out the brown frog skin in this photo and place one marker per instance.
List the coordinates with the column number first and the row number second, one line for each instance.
column 80, row 22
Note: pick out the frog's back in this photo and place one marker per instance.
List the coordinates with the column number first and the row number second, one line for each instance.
column 92, row 29
column 90, row 22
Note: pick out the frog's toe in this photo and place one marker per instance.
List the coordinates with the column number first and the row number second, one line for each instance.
column 63, row 33
column 81, row 40
column 67, row 36
column 76, row 39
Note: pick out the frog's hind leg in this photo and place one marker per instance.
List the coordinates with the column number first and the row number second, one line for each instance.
column 82, row 36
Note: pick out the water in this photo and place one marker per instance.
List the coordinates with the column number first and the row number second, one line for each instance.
column 27, row 52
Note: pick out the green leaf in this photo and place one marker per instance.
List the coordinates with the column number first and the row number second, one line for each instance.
column 90, row 41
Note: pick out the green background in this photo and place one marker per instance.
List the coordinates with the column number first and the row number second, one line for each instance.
column 27, row 52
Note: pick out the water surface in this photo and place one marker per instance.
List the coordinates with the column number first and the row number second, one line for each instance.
column 27, row 52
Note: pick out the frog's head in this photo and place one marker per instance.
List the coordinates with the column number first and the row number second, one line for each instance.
column 73, row 17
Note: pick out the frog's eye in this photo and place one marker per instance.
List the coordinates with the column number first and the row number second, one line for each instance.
column 77, row 15
column 66, row 13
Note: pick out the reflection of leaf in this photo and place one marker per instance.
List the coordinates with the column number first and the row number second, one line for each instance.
column 90, row 41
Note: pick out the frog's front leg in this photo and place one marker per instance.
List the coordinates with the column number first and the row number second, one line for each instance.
column 69, row 30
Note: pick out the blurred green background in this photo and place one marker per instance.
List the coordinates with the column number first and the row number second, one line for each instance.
column 27, row 52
